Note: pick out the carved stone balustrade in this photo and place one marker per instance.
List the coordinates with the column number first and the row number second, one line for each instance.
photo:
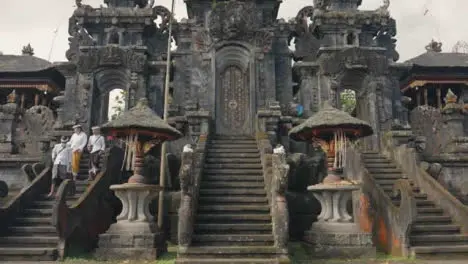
column 335, row 234
column 135, row 235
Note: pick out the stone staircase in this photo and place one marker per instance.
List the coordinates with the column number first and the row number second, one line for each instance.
column 31, row 237
column 433, row 234
column 233, row 222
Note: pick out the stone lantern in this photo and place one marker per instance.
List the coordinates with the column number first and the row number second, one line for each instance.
column 335, row 234
column 136, row 235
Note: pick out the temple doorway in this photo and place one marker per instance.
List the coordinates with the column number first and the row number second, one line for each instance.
column 233, row 106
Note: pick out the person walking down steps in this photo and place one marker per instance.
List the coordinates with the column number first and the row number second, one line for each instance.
column 77, row 143
column 96, row 146
column 61, row 157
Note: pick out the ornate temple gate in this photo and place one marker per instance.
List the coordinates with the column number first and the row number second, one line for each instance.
column 233, row 102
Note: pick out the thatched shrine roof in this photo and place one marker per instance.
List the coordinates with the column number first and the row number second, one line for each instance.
column 142, row 118
column 328, row 120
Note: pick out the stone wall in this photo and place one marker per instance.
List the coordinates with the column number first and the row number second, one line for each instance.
column 11, row 173
column 426, row 121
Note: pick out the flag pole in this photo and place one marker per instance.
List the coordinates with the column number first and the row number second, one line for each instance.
column 162, row 171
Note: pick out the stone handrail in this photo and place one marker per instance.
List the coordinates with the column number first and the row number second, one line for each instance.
column 381, row 209
column 406, row 159
column 275, row 173
column 82, row 214
column 39, row 184
column 190, row 176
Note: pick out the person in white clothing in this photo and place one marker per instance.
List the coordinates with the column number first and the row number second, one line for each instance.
column 96, row 146
column 61, row 157
column 77, row 144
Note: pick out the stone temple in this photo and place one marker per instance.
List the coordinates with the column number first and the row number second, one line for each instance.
column 240, row 79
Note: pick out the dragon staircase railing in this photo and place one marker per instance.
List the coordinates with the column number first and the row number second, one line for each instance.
column 275, row 174
column 93, row 213
column 38, row 184
column 190, row 175
column 389, row 223
column 406, row 158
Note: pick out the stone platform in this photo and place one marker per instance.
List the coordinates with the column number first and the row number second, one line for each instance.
column 135, row 235
column 339, row 240
column 335, row 235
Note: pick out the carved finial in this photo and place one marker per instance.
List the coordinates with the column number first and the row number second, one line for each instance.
column 78, row 3
column 386, row 4
column 279, row 149
column 187, row 148
column 434, row 46
column 12, row 97
column 450, row 98
column 27, row 50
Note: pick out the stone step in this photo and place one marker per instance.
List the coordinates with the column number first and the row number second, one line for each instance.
column 390, row 176
column 422, row 228
column 233, row 199
column 435, row 239
column 45, row 241
column 232, row 191
column 28, row 221
column 439, row 219
column 383, row 165
column 251, row 142
column 385, row 181
column 234, row 145
column 417, row 196
column 229, row 261
column 384, row 171
column 376, row 159
column 232, row 178
column 418, row 203
column 390, row 188
column 231, row 150
column 232, row 160
column 230, row 166
column 232, row 228
column 232, row 184
column 28, row 254
column 237, row 218
column 442, row 251
column 230, row 239
column 231, row 252
column 29, row 230
column 234, row 137
column 38, row 212
column 233, row 155
column 233, row 171
column 234, row 208
column 429, row 210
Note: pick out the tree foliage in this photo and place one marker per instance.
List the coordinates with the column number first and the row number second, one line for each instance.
column 348, row 100
column 119, row 104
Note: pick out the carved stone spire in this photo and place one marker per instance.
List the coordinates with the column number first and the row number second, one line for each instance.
column 27, row 50
column 342, row 4
column 434, row 46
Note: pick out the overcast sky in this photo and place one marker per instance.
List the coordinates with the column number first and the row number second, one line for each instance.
column 34, row 21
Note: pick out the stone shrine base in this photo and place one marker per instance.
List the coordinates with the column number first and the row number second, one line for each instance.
column 124, row 242
column 339, row 240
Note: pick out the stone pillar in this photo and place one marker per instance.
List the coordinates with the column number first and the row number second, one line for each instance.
column 8, row 114
column 335, row 234
column 267, row 123
column 135, row 235
column 155, row 91
column 309, row 93
column 198, row 122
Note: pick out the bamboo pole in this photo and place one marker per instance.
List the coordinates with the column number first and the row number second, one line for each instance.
column 162, row 171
